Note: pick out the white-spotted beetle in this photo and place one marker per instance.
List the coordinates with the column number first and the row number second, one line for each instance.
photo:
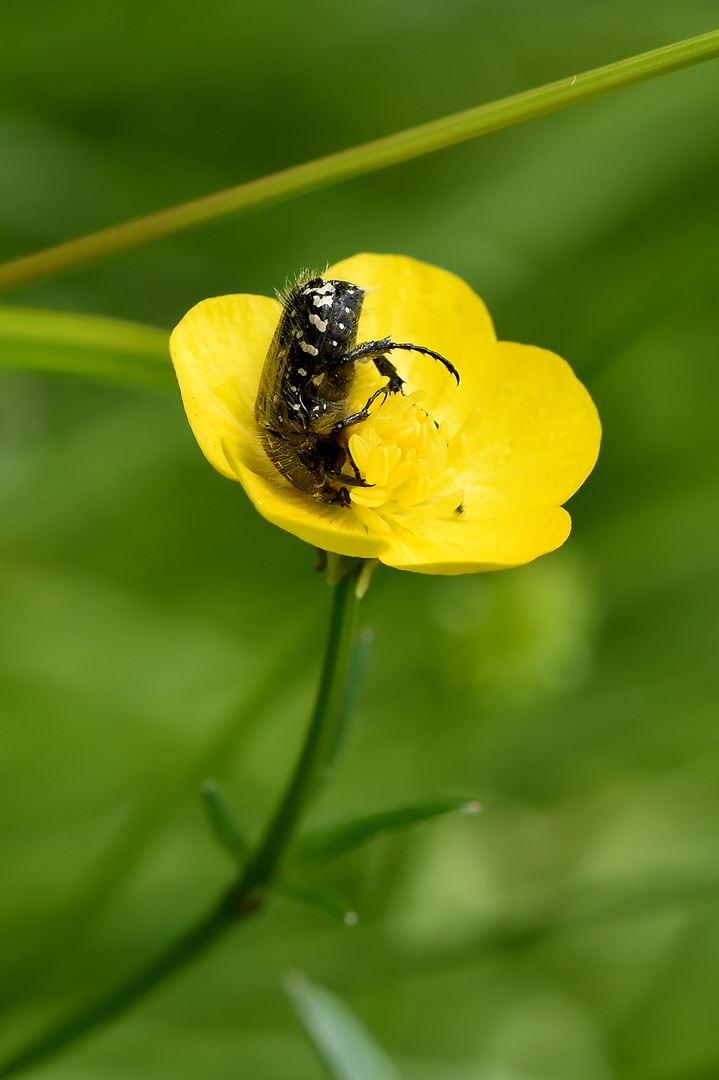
column 303, row 406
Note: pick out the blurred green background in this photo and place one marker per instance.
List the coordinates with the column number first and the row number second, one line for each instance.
column 155, row 630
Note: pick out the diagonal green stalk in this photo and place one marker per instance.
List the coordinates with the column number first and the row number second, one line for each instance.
column 365, row 158
column 248, row 894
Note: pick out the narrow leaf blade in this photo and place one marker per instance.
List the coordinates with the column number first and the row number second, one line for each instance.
column 61, row 343
column 365, row 158
column 222, row 821
column 318, row 895
column 343, row 1043
column 321, row 845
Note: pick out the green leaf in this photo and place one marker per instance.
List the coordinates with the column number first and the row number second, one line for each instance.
column 343, row 1043
column 61, row 343
column 222, row 821
column 321, row 845
column 316, row 895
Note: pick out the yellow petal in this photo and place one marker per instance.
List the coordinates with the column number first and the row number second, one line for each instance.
column 333, row 528
column 459, row 546
column 538, row 433
column 218, row 351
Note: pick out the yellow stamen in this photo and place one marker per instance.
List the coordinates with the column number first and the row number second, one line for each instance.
column 410, row 463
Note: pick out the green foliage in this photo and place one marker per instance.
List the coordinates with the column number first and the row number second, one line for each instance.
column 317, row 895
column 368, row 157
column 341, row 1041
column 222, row 822
column 154, row 630
column 323, row 844
column 65, row 344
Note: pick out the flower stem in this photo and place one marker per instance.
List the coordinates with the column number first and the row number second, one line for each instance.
column 319, row 743
column 248, row 894
column 192, row 943
column 365, row 158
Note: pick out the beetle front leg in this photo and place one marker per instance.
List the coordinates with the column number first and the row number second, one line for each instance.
column 371, row 350
column 376, row 352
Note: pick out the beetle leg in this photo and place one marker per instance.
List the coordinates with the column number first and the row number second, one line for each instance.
column 362, row 414
column 372, row 349
column 335, row 496
column 385, row 367
column 334, row 464
column 351, row 481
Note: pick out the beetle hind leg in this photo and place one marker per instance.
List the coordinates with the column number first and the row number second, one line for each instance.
column 335, row 496
column 335, row 457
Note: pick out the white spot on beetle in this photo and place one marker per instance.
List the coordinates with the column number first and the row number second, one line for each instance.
column 322, row 301
column 328, row 287
column 342, row 326
column 334, row 343
column 321, row 324
column 301, row 371
column 308, row 348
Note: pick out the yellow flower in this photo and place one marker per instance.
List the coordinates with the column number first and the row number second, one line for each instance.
column 463, row 478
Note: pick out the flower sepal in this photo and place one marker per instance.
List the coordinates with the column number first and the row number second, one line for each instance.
column 339, row 566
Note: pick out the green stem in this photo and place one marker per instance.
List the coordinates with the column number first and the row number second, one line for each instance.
column 362, row 159
column 248, row 894
column 319, row 743
column 181, row 952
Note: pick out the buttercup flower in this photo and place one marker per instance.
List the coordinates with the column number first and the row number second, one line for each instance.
column 459, row 478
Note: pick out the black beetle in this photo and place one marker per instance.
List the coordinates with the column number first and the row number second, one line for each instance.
column 303, row 406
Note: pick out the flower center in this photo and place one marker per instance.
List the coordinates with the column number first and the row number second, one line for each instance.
column 411, row 463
